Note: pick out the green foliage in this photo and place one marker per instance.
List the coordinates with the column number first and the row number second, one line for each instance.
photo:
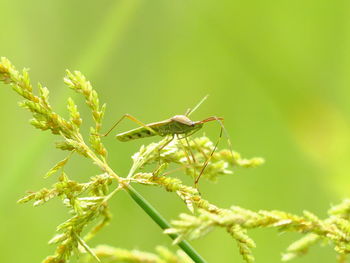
column 88, row 202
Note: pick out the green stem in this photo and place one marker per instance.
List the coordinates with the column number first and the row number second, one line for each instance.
column 160, row 220
column 143, row 203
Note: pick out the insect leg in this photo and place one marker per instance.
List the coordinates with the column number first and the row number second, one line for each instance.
column 194, row 141
column 166, row 143
column 193, row 162
column 174, row 170
column 132, row 118
column 161, row 148
column 187, row 112
column 193, row 158
column 189, row 148
column 227, row 138
column 200, row 150
column 184, row 149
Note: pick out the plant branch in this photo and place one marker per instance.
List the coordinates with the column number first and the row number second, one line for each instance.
column 160, row 221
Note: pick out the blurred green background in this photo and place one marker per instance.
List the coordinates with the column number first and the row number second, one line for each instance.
column 277, row 71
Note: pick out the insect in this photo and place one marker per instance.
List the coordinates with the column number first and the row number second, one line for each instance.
column 180, row 126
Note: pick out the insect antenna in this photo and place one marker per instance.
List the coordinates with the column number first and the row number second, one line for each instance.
column 220, row 121
column 207, row 161
column 222, row 130
column 190, row 111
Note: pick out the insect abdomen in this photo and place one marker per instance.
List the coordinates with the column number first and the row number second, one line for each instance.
column 134, row 134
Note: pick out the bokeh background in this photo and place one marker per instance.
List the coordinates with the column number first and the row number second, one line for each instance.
column 277, row 71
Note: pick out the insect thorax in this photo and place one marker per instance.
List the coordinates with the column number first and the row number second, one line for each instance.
column 175, row 127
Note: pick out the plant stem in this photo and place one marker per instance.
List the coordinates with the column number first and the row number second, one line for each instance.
column 160, row 220
column 144, row 204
